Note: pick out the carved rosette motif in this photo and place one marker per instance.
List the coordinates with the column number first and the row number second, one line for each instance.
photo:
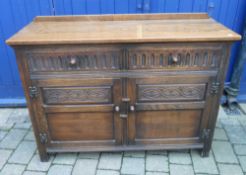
column 170, row 92
column 77, row 95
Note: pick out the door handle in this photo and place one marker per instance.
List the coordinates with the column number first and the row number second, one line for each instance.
column 124, row 107
column 123, row 115
column 125, row 99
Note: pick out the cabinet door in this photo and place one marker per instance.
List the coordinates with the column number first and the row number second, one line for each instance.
column 79, row 113
column 168, row 110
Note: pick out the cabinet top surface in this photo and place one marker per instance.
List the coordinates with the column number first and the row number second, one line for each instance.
column 135, row 28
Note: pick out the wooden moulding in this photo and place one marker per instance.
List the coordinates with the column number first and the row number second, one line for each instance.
column 123, row 17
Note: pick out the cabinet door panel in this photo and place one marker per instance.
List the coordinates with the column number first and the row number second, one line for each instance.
column 167, row 111
column 80, row 112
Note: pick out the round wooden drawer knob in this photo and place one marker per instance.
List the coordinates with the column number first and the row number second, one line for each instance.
column 73, row 61
column 175, row 59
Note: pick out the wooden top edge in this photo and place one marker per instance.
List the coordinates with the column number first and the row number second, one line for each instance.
column 122, row 17
column 182, row 27
column 128, row 41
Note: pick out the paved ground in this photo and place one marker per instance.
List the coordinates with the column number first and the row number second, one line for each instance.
column 18, row 155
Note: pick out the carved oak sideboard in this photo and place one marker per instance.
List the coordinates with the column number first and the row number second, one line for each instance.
column 123, row 82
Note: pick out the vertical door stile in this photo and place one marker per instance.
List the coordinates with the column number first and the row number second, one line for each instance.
column 118, row 127
column 131, row 128
column 39, row 114
column 124, row 111
column 206, row 111
column 131, row 93
column 124, row 96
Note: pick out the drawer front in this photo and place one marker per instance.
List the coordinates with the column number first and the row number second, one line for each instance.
column 195, row 56
column 177, row 56
column 74, row 59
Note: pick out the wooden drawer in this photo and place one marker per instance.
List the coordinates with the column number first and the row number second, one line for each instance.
column 77, row 58
column 177, row 56
column 182, row 56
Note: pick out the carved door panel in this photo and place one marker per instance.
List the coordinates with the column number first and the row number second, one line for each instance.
column 80, row 112
column 168, row 109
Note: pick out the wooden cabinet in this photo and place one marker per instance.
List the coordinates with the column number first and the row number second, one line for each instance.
column 123, row 82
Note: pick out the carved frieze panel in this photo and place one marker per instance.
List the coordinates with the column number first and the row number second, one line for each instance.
column 171, row 58
column 73, row 62
column 74, row 95
column 171, row 92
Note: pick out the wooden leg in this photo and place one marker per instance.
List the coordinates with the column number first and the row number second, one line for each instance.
column 205, row 152
column 44, row 157
column 207, row 140
column 207, row 147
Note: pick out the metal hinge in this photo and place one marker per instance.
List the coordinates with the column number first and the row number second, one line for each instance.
column 43, row 138
column 33, row 91
column 215, row 88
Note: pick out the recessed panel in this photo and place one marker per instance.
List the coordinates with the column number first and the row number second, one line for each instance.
column 80, row 126
column 167, row 124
